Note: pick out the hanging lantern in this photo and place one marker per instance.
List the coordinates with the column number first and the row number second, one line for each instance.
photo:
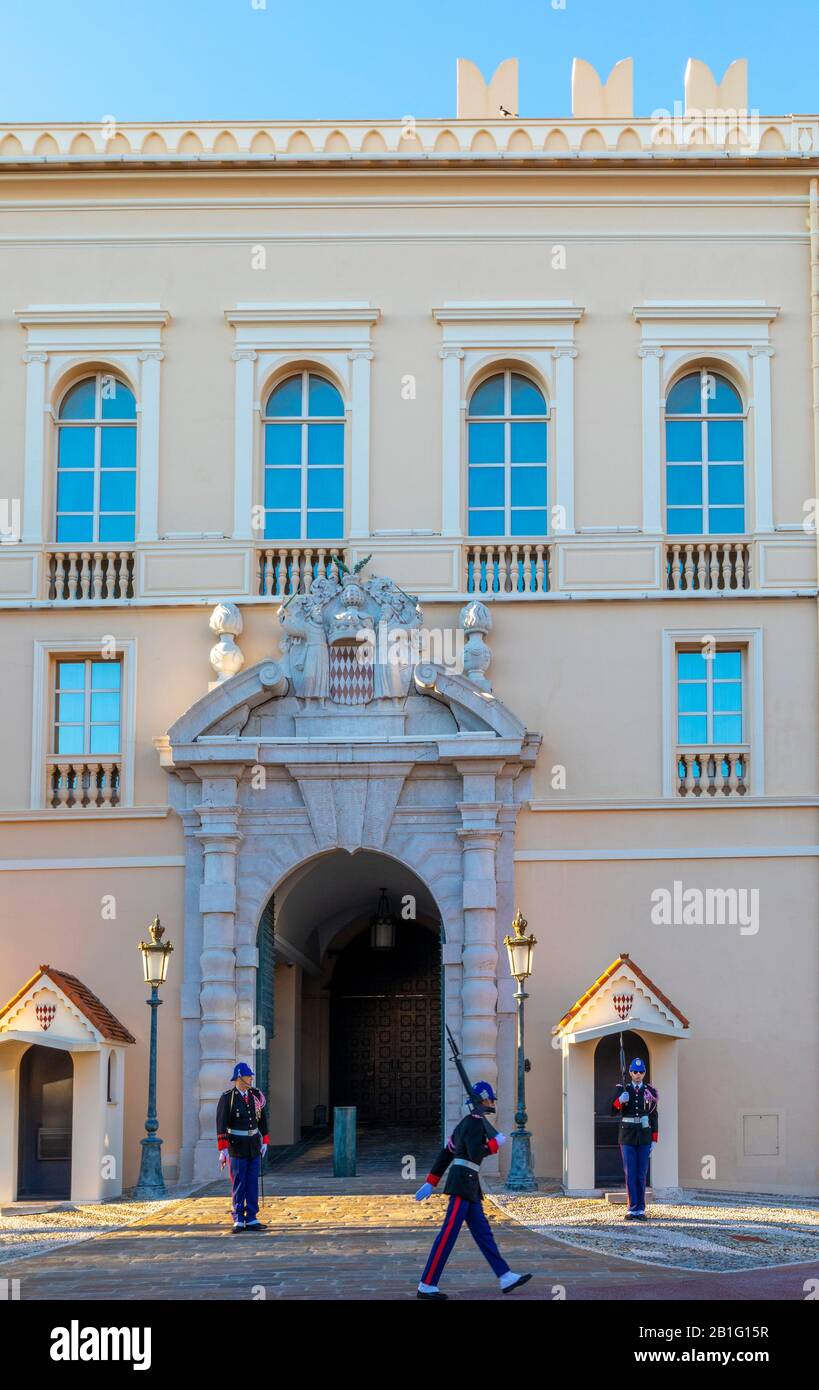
column 382, row 925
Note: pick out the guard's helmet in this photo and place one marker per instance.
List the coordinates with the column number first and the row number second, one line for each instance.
column 482, row 1091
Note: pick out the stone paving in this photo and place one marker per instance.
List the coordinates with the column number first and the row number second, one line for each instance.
column 359, row 1238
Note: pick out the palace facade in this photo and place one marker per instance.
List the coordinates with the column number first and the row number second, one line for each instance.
column 537, row 403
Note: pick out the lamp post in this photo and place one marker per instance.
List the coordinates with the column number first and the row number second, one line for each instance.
column 519, row 949
column 155, row 956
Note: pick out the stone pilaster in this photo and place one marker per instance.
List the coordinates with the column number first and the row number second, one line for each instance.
column 219, row 1021
column 479, row 836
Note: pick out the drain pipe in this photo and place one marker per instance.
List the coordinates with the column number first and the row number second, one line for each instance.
column 814, row 334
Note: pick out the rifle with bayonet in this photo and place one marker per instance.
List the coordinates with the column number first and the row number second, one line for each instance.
column 474, row 1100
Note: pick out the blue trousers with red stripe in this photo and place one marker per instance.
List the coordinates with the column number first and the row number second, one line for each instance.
column 635, row 1166
column 244, row 1175
column 458, row 1212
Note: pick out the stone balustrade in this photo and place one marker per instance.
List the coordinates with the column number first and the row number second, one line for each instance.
column 711, row 773
column 291, row 569
column 80, row 783
column 515, row 569
column 701, row 564
column 94, row 572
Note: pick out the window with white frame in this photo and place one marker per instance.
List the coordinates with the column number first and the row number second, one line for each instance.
column 303, row 423
column 507, row 457
column 705, row 456
column 710, row 707
column 87, row 706
column 96, row 462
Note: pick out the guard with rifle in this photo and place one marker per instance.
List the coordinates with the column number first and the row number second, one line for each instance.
column 636, row 1105
column 471, row 1140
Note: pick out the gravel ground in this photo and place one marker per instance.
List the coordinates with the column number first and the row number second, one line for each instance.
column 724, row 1235
column 36, row 1234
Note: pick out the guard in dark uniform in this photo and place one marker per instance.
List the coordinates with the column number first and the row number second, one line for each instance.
column 636, row 1104
column 462, row 1157
column 241, row 1133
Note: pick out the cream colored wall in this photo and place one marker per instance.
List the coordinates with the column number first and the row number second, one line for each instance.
column 405, row 259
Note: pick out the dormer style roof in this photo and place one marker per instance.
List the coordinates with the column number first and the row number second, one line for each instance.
column 63, row 1010
column 622, row 997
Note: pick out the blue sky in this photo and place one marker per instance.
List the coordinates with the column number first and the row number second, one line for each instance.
column 297, row 59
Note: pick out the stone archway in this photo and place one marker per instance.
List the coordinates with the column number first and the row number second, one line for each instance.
column 266, row 779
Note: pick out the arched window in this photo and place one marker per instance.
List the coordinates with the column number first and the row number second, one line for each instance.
column 96, row 462
column 705, row 457
column 304, row 460
column 507, row 454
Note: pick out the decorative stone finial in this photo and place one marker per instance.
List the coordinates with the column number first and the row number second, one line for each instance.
column 225, row 657
column 475, row 620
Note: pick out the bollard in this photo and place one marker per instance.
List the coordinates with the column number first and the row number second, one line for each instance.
column 344, row 1141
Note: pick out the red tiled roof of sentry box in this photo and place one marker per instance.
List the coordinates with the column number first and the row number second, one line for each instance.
column 85, row 999
column 622, row 959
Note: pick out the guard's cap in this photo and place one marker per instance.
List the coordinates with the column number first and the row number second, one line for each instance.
column 483, row 1091
column 637, row 1065
column 241, row 1069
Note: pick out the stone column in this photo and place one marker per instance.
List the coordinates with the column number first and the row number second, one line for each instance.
column 479, row 991
column 653, row 416
column 564, row 437
column 452, row 522
column 763, row 448
column 360, row 442
column 34, row 447
column 243, row 433
column 220, row 839
column 148, row 508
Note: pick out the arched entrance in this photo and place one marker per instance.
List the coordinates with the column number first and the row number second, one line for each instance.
column 350, row 1016
column 46, row 1107
column 608, row 1163
column 385, row 1029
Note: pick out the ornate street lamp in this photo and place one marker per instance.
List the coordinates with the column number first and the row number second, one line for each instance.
column 520, row 948
column 382, row 925
column 155, row 956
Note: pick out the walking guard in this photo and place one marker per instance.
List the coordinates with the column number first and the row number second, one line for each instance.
column 636, row 1104
column 242, row 1137
column 461, row 1159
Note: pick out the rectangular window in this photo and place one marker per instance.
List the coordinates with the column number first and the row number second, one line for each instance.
column 710, row 697
column 87, row 707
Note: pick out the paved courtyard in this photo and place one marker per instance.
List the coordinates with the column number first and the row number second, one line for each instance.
column 339, row 1238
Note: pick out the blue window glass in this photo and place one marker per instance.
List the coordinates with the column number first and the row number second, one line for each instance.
column 325, row 487
column 75, row 529
column 486, row 443
column 684, row 521
column 70, row 707
column 282, row 526
column 528, row 487
column 684, row 485
column 104, row 738
column 692, row 728
column 528, row 442
column 282, row 488
column 488, row 398
column 721, row 397
column 286, row 398
column 325, row 445
column 323, row 526
column 727, row 665
column 727, row 697
column 727, row 728
column 528, row 522
column 70, row 675
column 725, row 441
column 118, row 448
column 105, row 675
column 283, row 444
column 80, row 402
column 726, row 521
column 76, row 448
column 75, row 492
column 726, row 485
column 323, row 398
column 693, row 697
column 691, row 666
column 489, row 523
column 104, row 706
column 486, row 487
column 117, row 400
column 116, row 528
column 117, row 491
column 69, row 739
column 526, row 398
column 686, row 397
column 683, row 441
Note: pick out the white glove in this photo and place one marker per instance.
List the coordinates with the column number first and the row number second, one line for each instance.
column 424, row 1191
column 623, row 1098
column 500, row 1139
column 264, row 1150
column 223, row 1158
